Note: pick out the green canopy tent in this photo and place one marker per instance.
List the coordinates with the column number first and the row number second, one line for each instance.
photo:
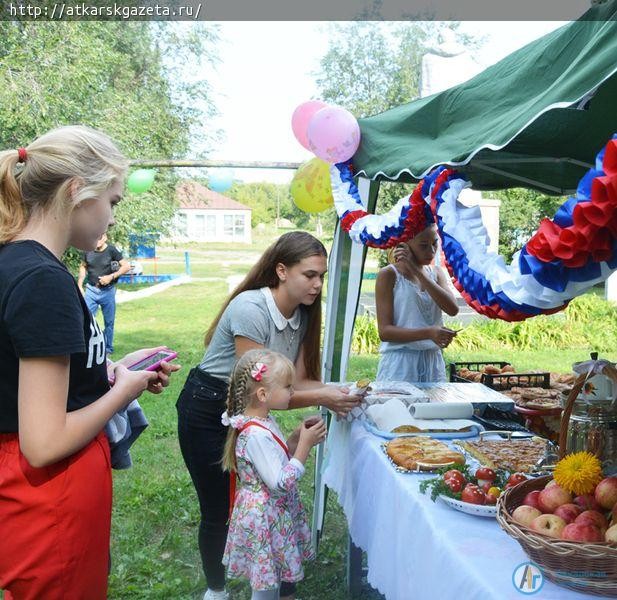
column 535, row 119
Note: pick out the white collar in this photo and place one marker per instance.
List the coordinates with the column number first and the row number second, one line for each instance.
column 277, row 316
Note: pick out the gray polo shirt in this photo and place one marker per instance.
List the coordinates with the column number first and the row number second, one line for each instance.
column 254, row 315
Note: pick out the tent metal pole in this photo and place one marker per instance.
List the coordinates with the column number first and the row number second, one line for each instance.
column 345, row 270
column 532, row 182
column 539, row 160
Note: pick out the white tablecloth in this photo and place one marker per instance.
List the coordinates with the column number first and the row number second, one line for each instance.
column 417, row 548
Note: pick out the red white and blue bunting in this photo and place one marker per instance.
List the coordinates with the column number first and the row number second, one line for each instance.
column 564, row 258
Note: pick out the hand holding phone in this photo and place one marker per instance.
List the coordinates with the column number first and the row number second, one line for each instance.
column 146, row 360
column 153, row 361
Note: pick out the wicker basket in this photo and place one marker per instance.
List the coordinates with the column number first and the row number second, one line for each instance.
column 584, row 567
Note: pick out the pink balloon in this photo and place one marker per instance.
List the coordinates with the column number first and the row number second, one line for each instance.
column 301, row 117
column 333, row 134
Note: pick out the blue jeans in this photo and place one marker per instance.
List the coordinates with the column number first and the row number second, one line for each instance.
column 106, row 299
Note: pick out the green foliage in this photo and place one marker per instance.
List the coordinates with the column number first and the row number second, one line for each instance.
column 365, row 337
column 127, row 79
column 588, row 323
column 266, row 199
column 520, row 214
column 372, row 66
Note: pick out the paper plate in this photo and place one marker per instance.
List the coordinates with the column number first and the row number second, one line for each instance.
column 454, row 435
column 480, row 510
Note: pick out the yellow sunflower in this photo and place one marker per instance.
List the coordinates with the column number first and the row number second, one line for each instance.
column 578, row 473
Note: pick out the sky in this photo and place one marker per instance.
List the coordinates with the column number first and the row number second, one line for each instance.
column 267, row 69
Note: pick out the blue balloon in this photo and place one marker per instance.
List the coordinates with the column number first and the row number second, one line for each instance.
column 220, row 180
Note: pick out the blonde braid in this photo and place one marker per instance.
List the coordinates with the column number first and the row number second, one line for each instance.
column 236, row 404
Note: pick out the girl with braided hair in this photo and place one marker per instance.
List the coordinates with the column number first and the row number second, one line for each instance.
column 268, row 534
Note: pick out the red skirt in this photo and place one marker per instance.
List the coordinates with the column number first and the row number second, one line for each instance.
column 55, row 524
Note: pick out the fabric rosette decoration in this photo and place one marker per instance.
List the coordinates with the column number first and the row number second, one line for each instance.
column 566, row 256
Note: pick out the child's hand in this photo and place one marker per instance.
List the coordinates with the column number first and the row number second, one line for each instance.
column 312, row 433
column 312, row 420
column 292, row 440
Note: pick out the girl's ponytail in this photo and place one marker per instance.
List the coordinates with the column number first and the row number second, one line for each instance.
column 50, row 164
column 13, row 213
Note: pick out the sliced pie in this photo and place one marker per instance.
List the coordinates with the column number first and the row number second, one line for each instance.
column 421, row 453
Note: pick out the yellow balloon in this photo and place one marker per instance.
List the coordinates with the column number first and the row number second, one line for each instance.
column 310, row 188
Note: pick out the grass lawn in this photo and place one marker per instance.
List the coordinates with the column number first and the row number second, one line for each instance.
column 155, row 516
column 154, row 535
column 154, row 544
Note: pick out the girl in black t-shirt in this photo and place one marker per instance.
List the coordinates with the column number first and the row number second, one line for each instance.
column 55, row 477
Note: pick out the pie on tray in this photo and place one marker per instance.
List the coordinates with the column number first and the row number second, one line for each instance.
column 511, row 455
column 414, row 429
column 422, row 453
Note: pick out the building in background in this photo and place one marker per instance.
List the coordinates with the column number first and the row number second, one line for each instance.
column 207, row 216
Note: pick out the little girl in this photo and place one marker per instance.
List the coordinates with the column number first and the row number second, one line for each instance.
column 410, row 296
column 268, row 534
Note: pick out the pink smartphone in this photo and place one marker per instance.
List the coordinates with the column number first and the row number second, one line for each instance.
column 152, row 362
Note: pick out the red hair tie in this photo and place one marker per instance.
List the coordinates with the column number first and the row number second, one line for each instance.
column 22, row 155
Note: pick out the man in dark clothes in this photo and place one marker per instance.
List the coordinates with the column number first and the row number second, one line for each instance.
column 101, row 268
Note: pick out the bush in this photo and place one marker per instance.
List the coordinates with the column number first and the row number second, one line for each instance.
column 365, row 336
column 588, row 322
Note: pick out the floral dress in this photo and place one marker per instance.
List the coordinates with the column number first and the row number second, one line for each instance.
column 268, row 533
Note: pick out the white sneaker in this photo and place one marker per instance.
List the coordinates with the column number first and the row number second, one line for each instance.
column 213, row 595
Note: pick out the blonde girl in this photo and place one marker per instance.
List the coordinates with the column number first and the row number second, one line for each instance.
column 55, row 477
column 268, row 535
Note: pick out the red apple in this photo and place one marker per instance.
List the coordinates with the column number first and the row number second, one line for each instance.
column 582, row 532
column 587, row 502
column 525, row 515
column 594, row 518
column 531, row 499
column 614, row 515
column 606, row 492
column 552, row 497
column 550, row 525
column 568, row 512
column 611, row 535
column 550, row 483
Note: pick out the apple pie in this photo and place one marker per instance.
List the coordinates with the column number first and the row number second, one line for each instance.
column 511, row 455
column 421, row 453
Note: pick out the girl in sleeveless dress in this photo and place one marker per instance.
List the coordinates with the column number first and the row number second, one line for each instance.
column 268, row 534
column 410, row 296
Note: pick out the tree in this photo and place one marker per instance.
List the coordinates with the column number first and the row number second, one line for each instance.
column 372, row 66
column 122, row 78
column 520, row 214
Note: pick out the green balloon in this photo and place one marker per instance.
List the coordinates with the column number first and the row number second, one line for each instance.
column 140, row 181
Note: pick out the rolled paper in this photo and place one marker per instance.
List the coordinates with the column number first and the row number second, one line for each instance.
column 389, row 415
column 428, row 410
